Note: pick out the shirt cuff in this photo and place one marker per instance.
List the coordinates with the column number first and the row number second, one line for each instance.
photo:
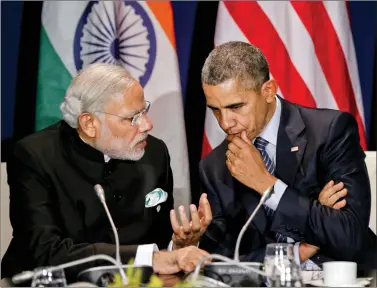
column 144, row 254
column 279, row 189
column 296, row 252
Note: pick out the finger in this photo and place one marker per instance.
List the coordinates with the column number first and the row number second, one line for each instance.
column 184, row 220
column 202, row 255
column 195, row 219
column 340, row 204
column 228, row 155
column 189, row 267
column 207, row 213
column 338, row 187
column 326, row 191
column 230, row 137
column 200, row 208
column 336, row 196
column 174, row 222
column 331, row 190
column 241, row 144
column 245, row 138
column 234, row 148
column 328, row 185
column 203, row 252
column 183, row 235
column 342, row 193
column 202, row 197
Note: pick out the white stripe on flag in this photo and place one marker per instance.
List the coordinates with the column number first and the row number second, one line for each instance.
column 60, row 20
column 300, row 48
column 215, row 134
column 228, row 30
column 338, row 14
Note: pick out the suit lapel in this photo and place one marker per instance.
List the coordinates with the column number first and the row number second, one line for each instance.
column 291, row 143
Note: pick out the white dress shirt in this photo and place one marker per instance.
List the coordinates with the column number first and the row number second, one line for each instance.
column 270, row 134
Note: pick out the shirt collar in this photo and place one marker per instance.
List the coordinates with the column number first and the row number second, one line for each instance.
column 270, row 132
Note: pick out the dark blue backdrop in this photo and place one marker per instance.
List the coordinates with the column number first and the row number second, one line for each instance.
column 363, row 22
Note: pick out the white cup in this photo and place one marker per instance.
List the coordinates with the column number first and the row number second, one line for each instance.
column 338, row 273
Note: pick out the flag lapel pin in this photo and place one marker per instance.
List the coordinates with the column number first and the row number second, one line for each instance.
column 294, row 149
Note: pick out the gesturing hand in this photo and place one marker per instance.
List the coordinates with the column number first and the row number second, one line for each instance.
column 189, row 233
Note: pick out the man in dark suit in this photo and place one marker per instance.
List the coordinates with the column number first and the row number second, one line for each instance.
column 292, row 151
column 55, row 213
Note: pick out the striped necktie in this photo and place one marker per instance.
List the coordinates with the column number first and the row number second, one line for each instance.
column 261, row 145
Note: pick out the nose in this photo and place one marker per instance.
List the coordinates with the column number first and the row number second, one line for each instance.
column 226, row 121
column 145, row 124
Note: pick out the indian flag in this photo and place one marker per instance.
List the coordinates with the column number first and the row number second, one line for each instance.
column 137, row 35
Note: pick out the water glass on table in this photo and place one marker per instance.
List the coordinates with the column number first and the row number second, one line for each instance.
column 286, row 276
column 49, row 277
column 280, row 266
column 277, row 254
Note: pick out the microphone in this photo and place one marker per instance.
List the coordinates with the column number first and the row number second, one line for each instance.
column 229, row 269
column 27, row 275
column 101, row 195
column 265, row 195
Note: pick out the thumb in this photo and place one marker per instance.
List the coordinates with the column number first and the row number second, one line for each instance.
column 244, row 137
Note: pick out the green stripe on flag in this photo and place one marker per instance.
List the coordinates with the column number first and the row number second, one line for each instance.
column 53, row 81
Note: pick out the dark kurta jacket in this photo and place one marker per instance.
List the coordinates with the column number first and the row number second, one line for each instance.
column 55, row 213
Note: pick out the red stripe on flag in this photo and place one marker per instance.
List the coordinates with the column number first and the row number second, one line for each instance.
column 206, row 147
column 260, row 32
column 331, row 57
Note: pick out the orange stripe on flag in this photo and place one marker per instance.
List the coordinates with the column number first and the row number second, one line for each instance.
column 164, row 14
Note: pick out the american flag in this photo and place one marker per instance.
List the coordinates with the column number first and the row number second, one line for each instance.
column 309, row 48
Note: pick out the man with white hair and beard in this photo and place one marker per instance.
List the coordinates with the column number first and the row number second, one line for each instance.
column 103, row 139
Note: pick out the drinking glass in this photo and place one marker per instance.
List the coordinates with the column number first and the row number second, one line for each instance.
column 277, row 254
column 286, row 276
column 49, row 277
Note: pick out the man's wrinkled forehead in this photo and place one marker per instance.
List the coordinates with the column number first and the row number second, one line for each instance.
column 130, row 103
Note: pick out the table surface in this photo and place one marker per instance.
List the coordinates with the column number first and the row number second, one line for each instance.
column 171, row 280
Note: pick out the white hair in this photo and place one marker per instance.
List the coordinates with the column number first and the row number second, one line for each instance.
column 92, row 87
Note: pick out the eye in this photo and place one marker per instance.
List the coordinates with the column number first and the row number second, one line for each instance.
column 125, row 119
column 215, row 110
column 237, row 107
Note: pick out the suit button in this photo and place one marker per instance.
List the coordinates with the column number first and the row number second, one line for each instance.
column 117, row 197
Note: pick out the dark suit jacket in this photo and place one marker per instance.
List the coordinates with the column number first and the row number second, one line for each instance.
column 329, row 149
column 55, row 213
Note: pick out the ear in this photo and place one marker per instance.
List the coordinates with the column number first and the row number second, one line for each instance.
column 88, row 124
column 269, row 90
